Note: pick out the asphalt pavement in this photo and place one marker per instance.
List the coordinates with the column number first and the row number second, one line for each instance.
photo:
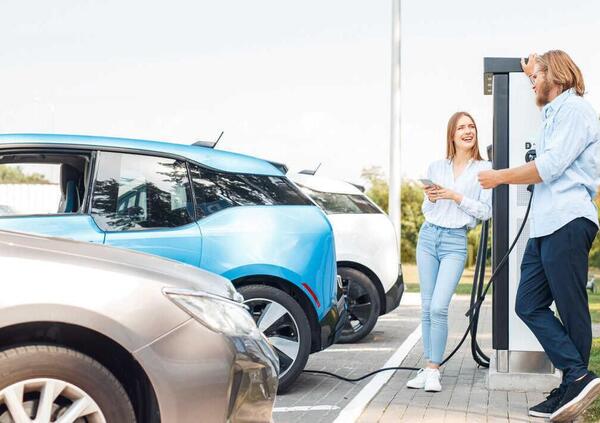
column 318, row 398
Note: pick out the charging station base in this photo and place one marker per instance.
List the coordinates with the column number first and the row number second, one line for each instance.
column 520, row 381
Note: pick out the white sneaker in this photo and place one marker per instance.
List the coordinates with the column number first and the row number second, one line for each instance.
column 418, row 382
column 432, row 380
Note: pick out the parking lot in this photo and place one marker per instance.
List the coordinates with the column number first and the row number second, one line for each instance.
column 318, row 398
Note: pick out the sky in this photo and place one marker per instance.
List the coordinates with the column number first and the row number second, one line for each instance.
column 301, row 83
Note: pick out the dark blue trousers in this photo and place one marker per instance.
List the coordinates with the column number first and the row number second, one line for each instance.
column 555, row 268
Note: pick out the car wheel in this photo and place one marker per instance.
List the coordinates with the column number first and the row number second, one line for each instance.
column 284, row 323
column 48, row 384
column 363, row 305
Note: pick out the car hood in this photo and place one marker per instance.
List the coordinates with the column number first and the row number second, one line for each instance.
column 170, row 272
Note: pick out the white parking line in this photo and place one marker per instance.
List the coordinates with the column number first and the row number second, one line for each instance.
column 306, row 408
column 370, row 349
column 355, row 407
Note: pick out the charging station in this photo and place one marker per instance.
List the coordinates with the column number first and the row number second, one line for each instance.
column 518, row 360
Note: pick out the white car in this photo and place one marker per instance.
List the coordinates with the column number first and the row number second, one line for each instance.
column 366, row 251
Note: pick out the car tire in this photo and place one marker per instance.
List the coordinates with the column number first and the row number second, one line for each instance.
column 285, row 324
column 363, row 305
column 38, row 368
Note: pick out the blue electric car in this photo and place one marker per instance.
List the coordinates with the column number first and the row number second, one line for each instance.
column 235, row 215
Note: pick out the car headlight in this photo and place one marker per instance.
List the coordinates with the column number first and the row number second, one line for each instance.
column 217, row 313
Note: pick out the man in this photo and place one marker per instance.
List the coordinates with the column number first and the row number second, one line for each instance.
column 564, row 222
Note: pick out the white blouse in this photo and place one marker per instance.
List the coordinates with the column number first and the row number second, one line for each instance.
column 476, row 203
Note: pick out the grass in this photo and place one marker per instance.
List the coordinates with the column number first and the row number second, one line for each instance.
column 592, row 414
column 461, row 289
column 594, row 301
column 411, row 280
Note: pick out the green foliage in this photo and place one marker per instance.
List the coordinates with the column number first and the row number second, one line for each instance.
column 411, row 220
column 411, row 216
column 14, row 175
column 595, row 251
column 378, row 191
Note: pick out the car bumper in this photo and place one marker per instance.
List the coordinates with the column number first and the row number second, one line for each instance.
column 333, row 323
column 200, row 375
column 394, row 295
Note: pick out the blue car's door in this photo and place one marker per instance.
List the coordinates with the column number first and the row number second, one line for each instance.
column 183, row 243
column 80, row 227
column 43, row 192
column 144, row 203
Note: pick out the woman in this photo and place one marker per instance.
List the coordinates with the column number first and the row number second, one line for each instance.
column 452, row 205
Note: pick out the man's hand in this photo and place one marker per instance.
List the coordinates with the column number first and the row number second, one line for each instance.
column 528, row 68
column 489, row 178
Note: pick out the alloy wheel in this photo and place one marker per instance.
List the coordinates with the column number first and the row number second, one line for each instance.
column 360, row 306
column 44, row 400
column 280, row 328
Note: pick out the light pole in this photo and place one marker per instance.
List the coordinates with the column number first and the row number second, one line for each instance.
column 395, row 145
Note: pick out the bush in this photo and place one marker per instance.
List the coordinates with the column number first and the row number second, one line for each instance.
column 411, row 216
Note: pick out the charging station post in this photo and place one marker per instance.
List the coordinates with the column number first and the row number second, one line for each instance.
column 518, row 360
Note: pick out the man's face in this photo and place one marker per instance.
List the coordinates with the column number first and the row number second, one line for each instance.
column 541, row 87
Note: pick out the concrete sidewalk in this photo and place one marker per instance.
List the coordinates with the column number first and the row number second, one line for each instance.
column 464, row 397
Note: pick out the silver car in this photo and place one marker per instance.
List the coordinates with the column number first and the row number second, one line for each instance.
column 96, row 334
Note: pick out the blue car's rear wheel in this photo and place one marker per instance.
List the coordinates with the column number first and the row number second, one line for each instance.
column 285, row 325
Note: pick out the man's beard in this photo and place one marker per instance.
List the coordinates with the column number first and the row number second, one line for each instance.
column 543, row 94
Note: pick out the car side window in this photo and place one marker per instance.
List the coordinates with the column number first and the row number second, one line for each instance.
column 43, row 182
column 137, row 192
column 215, row 191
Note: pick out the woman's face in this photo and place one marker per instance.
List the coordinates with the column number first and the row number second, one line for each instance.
column 465, row 136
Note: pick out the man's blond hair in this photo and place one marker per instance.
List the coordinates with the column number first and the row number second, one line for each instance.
column 561, row 70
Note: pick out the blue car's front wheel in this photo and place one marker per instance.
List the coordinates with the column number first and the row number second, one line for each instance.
column 285, row 325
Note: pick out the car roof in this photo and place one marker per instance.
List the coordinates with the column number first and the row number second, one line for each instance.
column 321, row 184
column 215, row 159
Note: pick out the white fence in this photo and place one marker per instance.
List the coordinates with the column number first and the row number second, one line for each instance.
column 30, row 199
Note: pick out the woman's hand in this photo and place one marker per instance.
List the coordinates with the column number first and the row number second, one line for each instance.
column 435, row 193
column 429, row 192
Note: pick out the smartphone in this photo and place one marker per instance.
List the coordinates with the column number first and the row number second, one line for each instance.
column 426, row 182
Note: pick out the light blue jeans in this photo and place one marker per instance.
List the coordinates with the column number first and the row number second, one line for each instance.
column 441, row 255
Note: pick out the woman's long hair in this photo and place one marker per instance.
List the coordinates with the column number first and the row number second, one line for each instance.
column 450, row 147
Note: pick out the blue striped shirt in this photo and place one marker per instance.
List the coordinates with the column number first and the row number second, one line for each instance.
column 569, row 164
column 475, row 205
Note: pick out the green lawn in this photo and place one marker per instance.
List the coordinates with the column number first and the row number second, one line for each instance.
column 594, row 301
column 411, row 280
column 593, row 413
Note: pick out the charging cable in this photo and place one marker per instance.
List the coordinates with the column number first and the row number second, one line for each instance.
column 477, row 297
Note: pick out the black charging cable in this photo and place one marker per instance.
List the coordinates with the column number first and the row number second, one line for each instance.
column 477, row 297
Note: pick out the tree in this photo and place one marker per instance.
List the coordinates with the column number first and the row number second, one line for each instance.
column 412, row 218
column 378, row 187
column 15, row 175
column 411, row 215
